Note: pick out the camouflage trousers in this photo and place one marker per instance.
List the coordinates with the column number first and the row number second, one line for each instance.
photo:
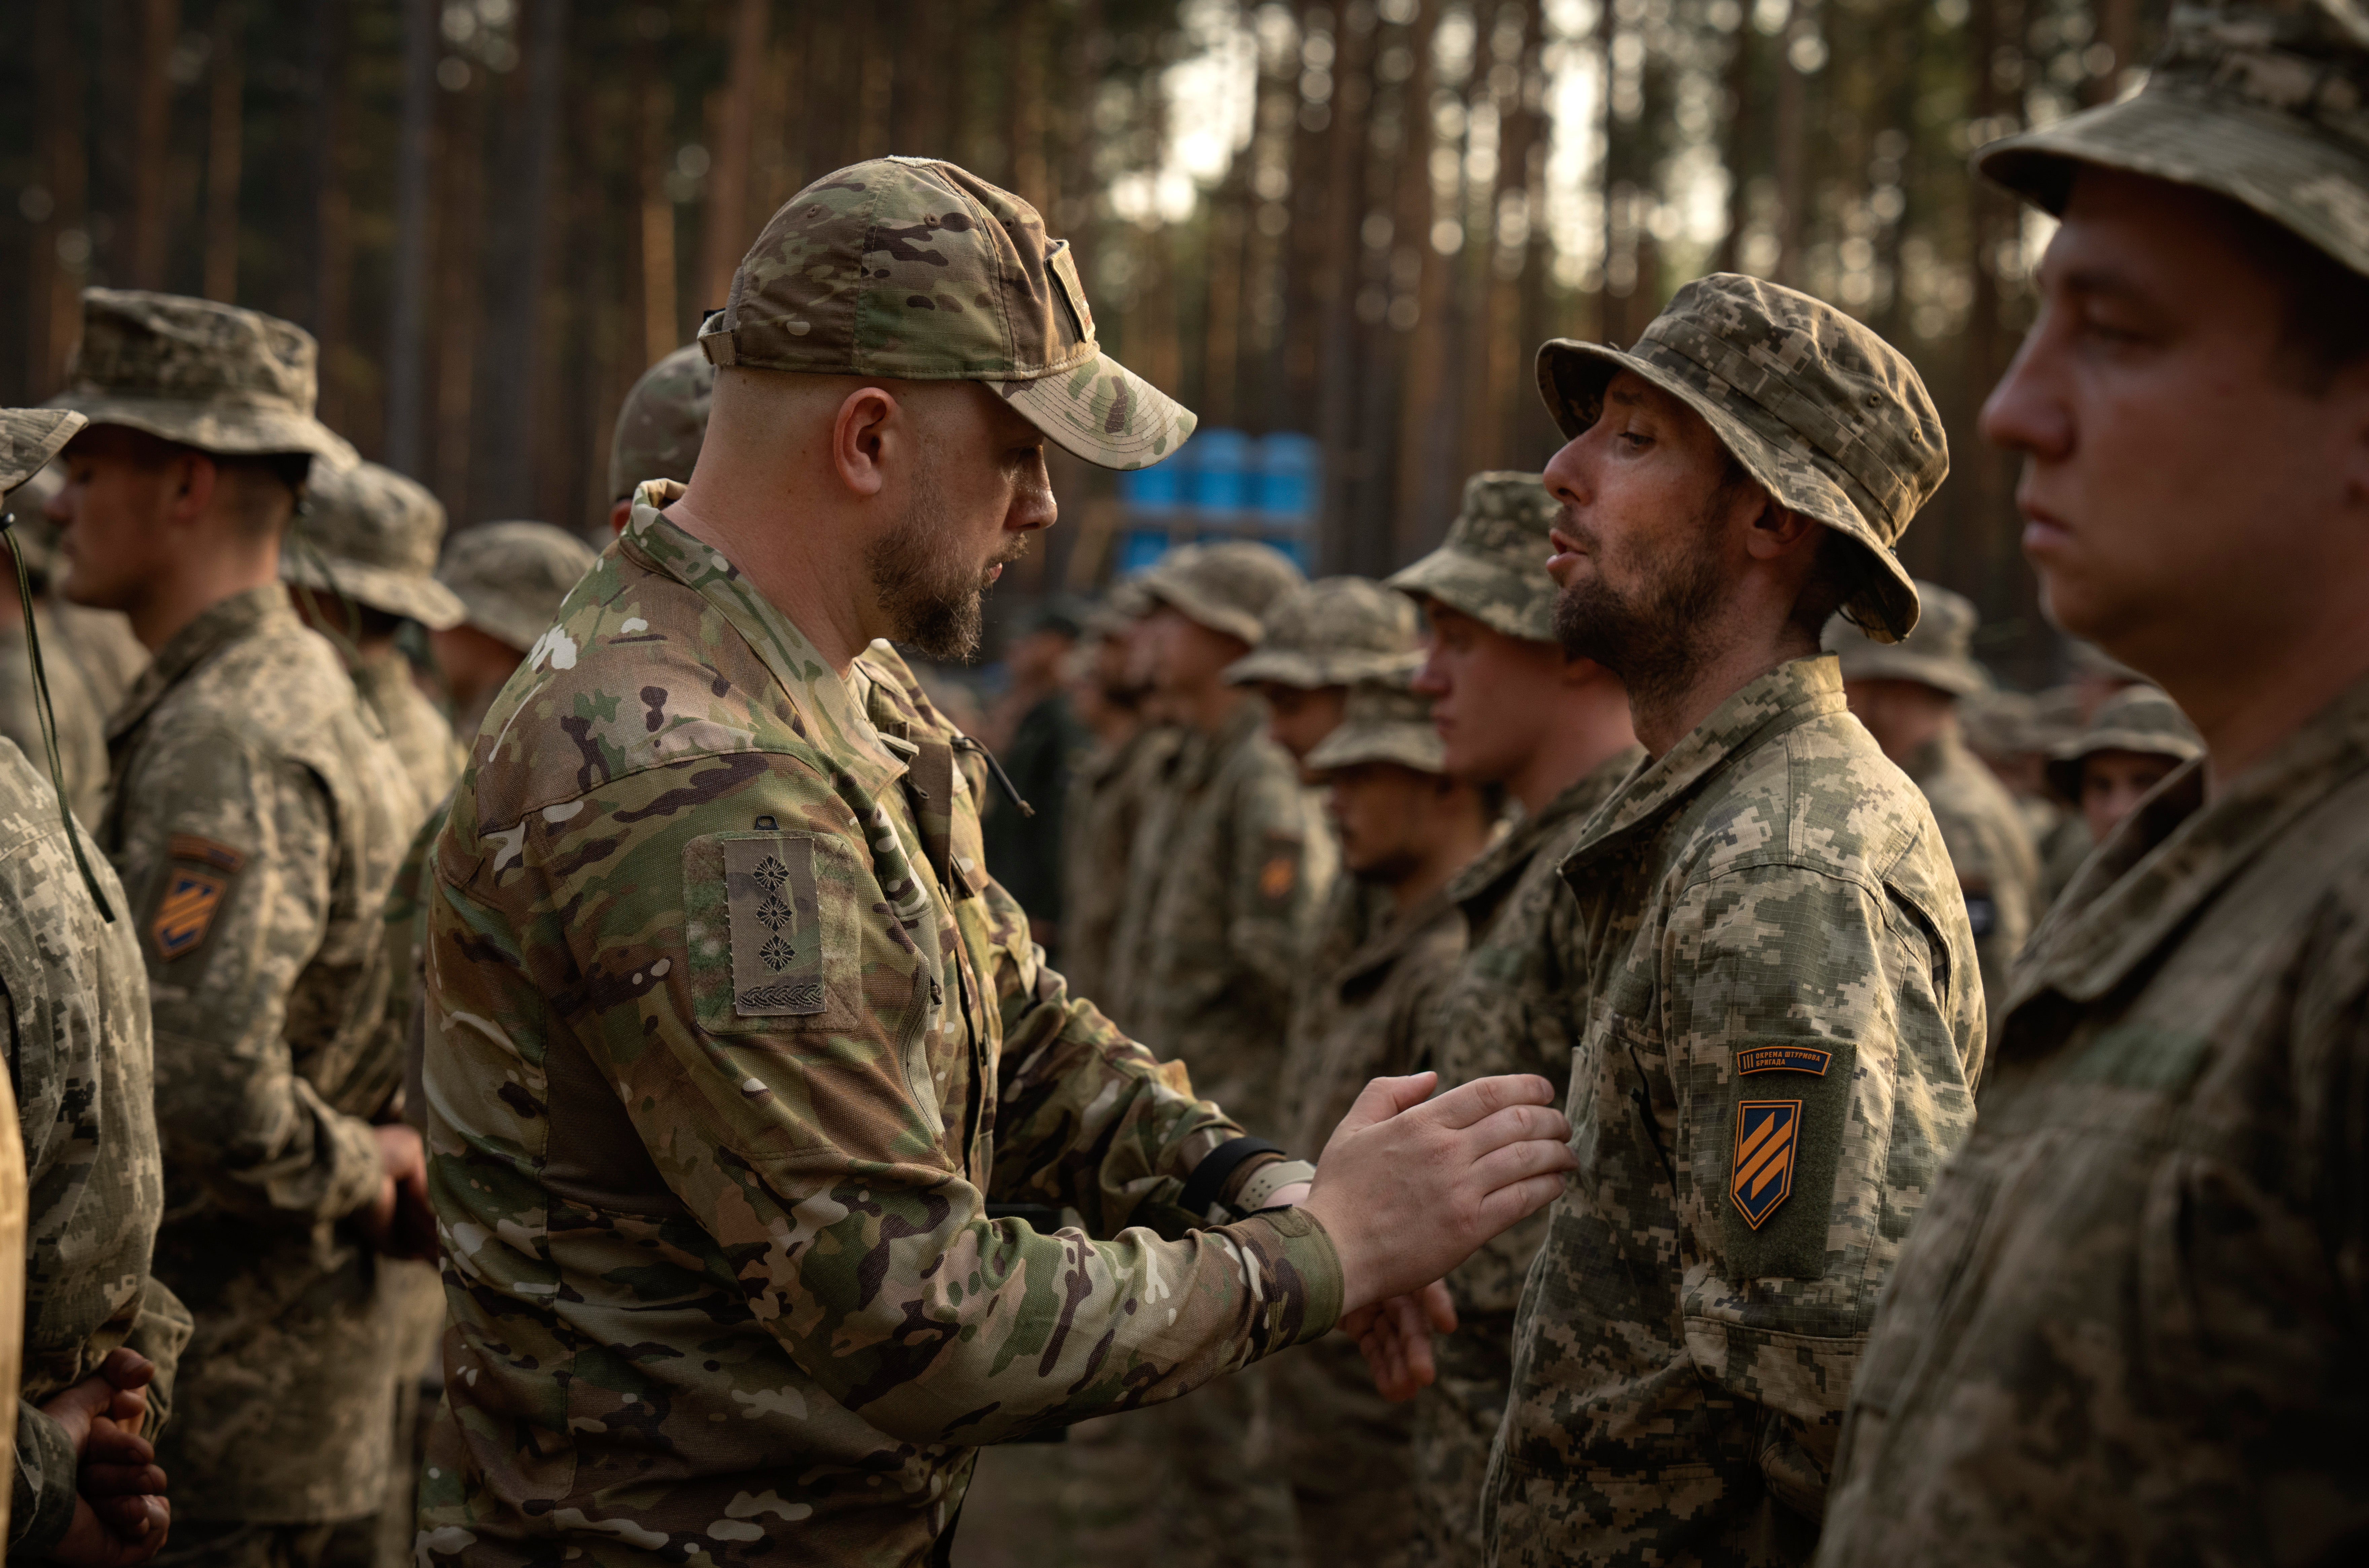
column 1349, row 1454
column 415, row 1313
column 1456, row 1420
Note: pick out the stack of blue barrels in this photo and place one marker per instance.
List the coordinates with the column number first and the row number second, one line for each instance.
column 1222, row 485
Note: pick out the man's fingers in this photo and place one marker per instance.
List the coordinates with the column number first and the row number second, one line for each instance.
column 1468, row 1104
column 1515, row 1124
column 1517, row 1201
column 127, row 1368
column 1512, row 1162
column 116, row 1482
column 1383, row 1098
column 1440, row 1307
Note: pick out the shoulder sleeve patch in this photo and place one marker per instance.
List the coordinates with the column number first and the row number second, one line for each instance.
column 770, row 930
column 195, row 885
column 775, row 927
column 1279, row 870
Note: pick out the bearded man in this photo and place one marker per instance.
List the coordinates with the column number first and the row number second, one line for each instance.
column 732, row 1039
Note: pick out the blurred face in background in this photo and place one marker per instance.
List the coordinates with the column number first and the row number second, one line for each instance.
column 1386, row 817
column 1903, row 716
column 1187, row 659
column 2113, row 782
column 1492, row 695
column 475, row 664
column 1297, row 717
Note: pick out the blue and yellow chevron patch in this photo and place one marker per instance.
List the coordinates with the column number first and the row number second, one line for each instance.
column 1768, row 1134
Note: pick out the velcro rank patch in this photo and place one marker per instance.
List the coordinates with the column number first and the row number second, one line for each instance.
column 198, row 874
column 1783, row 1058
column 775, row 925
column 1768, row 1139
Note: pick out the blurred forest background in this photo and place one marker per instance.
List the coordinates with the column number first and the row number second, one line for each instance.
column 1355, row 219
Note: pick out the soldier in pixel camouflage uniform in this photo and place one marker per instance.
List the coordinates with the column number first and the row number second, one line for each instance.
column 732, row 1037
column 660, row 428
column 254, row 819
column 510, row 579
column 74, row 1003
column 2137, row 739
column 2127, row 1328
column 1405, row 829
column 368, row 539
column 1785, row 1018
column 1514, row 714
column 1908, row 694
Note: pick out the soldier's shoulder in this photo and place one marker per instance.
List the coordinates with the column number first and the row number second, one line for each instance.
column 277, row 691
column 44, row 905
column 1821, row 799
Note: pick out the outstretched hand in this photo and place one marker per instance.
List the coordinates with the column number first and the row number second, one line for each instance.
column 1394, row 1336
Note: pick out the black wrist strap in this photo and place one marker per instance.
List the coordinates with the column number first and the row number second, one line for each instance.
column 1208, row 1178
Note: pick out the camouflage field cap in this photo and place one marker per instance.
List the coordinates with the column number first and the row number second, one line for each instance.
column 2001, row 722
column 510, row 576
column 1384, row 721
column 663, row 423
column 2266, row 104
column 372, row 535
column 1334, row 632
column 212, row 376
column 2136, row 718
column 1824, row 415
column 915, row 268
column 1938, row 653
column 1230, row 587
column 1493, row 564
column 29, row 438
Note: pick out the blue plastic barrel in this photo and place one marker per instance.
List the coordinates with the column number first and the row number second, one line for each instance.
column 1290, row 466
column 1219, row 474
column 1139, row 550
column 1152, row 489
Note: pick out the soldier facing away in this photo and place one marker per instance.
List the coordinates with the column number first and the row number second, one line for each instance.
column 101, row 1335
column 1785, row 1018
column 1516, row 714
column 2127, row 1327
column 732, row 1037
column 254, row 820
column 660, row 428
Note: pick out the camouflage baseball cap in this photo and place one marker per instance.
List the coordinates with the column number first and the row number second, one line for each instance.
column 233, row 382
column 1938, row 653
column 1333, row 632
column 1230, row 586
column 1384, row 721
column 1493, row 565
column 2261, row 103
column 510, row 576
column 29, row 438
column 372, row 535
column 914, row 268
column 1826, row 416
column 2136, row 718
column 662, row 422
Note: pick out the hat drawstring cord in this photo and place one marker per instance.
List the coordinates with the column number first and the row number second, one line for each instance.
column 48, row 715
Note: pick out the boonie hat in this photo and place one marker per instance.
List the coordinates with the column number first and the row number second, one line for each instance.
column 663, row 423
column 916, row 268
column 227, row 381
column 2266, row 104
column 511, row 578
column 1384, row 721
column 372, row 535
column 1493, row 565
column 1228, row 587
column 1939, row 652
column 2136, row 718
column 1824, row 415
column 1332, row 632
column 29, row 438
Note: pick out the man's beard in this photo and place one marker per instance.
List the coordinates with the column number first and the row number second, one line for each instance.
column 1653, row 638
column 930, row 598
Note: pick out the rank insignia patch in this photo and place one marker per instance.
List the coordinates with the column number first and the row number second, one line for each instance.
column 193, row 895
column 1783, row 1058
column 776, row 927
column 1768, row 1135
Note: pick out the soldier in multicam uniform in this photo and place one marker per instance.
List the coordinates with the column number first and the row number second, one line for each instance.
column 1404, row 829
column 1908, row 694
column 362, row 562
column 510, row 579
column 1113, row 786
column 73, row 1000
column 2127, row 1327
column 1516, row 716
column 253, row 817
column 732, row 1037
column 660, row 428
column 1785, row 1018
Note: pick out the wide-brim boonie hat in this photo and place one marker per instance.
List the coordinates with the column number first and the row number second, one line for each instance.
column 2136, row 718
column 1384, row 721
column 29, row 438
column 511, row 577
column 1492, row 565
column 372, row 535
column 1826, row 416
column 422, row 598
column 1938, row 653
column 1228, row 586
column 1332, row 632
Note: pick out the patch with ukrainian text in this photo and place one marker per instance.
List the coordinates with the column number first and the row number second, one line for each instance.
column 1783, row 1058
column 1767, row 1136
column 775, row 925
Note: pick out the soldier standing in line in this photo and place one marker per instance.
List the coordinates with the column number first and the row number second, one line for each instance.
column 100, row 1334
column 360, row 562
column 1785, row 1018
column 2136, row 739
column 660, row 428
column 1514, row 715
column 1039, row 741
column 1908, row 694
column 510, row 579
column 1405, row 828
column 254, row 819
column 2127, row 1327
column 1112, row 690
column 733, row 1037
column 1321, row 640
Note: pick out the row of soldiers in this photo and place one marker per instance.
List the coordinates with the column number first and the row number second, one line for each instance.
column 252, row 662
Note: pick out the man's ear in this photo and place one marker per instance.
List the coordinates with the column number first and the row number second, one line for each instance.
column 191, row 481
column 863, row 433
column 1776, row 531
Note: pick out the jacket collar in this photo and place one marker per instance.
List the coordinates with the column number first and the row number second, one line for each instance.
column 848, row 740
column 2172, row 854
column 1390, row 943
column 232, row 620
column 1510, row 855
column 1760, row 710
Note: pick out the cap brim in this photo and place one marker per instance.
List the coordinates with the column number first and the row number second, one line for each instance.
column 34, row 436
column 1571, row 379
column 1103, row 412
column 1410, row 746
column 1492, row 592
column 422, row 598
column 1204, row 611
column 2188, row 135
column 1307, row 671
column 230, row 432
